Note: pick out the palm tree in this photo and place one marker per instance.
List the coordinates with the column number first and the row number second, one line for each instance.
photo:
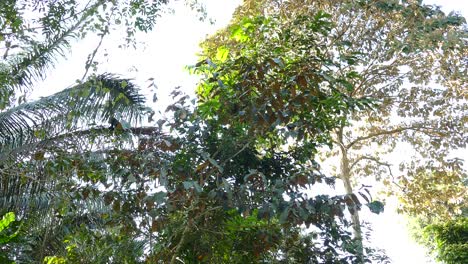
column 38, row 138
column 58, row 148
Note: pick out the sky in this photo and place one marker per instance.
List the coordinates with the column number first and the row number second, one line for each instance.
column 172, row 46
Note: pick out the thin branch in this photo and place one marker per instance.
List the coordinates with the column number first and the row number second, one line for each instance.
column 380, row 163
column 415, row 127
column 237, row 153
column 182, row 241
column 372, row 159
column 202, row 179
column 93, row 55
column 379, row 133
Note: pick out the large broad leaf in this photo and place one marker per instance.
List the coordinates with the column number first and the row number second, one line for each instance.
column 376, row 207
column 7, row 219
column 5, row 223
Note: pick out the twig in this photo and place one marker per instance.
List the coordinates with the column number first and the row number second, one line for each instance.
column 182, row 241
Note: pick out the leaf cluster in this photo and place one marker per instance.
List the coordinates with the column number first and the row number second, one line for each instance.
column 450, row 240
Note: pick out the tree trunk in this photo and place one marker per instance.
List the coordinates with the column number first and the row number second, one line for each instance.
column 345, row 175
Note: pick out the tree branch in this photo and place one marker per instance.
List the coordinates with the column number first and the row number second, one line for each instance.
column 93, row 54
column 381, row 133
column 380, row 163
column 416, row 127
column 372, row 159
column 182, row 241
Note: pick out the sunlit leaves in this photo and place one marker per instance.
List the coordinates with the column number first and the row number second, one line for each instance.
column 243, row 31
column 6, row 222
column 222, row 54
column 433, row 195
column 9, row 229
column 401, row 73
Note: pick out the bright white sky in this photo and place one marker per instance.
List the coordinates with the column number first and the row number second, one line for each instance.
column 173, row 45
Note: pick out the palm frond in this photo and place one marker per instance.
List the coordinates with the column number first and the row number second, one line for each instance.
column 97, row 100
column 23, row 69
column 32, row 64
column 44, row 231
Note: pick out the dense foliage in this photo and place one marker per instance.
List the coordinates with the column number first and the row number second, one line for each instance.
column 88, row 193
column 438, row 221
column 42, row 141
column 233, row 175
column 449, row 240
column 413, row 67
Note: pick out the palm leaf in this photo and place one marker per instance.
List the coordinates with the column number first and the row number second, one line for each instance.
column 23, row 69
column 44, row 232
column 97, row 100
column 33, row 63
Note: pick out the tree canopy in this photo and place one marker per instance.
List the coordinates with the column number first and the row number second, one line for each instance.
column 233, row 175
column 412, row 68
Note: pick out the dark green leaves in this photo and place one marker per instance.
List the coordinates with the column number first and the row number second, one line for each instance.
column 192, row 184
column 376, row 207
column 449, row 240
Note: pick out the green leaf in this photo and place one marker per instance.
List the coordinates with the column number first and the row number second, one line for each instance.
column 376, row 207
column 6, row 222
column 239, row 34
column 284, row 215
column 187, row 184
column 159, row 197
column 197, row 187
column 124, row 84
column 222, row 54
column 192, row 184
column 7, row 219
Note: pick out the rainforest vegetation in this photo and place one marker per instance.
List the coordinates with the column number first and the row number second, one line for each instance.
column 235, row 174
